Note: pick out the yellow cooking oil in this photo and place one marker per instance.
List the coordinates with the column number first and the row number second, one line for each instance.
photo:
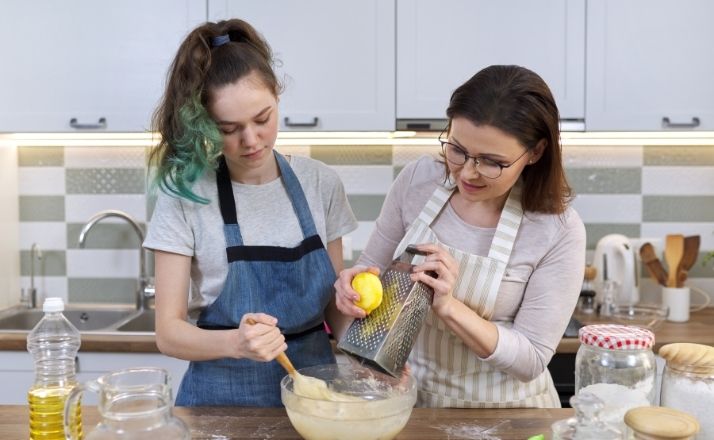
column 47, row 413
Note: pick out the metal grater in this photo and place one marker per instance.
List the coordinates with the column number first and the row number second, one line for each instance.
column 384, row 339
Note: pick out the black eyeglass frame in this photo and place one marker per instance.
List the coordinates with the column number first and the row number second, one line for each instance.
column 476, row 159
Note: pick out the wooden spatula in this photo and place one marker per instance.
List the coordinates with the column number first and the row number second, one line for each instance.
column 673, row 252
column 691, row 252
column 653, row 264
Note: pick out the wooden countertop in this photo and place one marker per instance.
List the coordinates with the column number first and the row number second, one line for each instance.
column 699, row 330
column 273, row 423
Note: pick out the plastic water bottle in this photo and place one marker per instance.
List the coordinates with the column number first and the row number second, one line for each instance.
column 53, row 343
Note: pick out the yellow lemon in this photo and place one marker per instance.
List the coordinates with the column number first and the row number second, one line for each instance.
column 369, row 288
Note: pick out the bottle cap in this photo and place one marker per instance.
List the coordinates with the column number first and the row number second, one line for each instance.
column 53, row 304
column 661, row 423
column 616, row 337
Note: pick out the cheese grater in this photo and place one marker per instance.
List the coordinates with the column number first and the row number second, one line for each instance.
column 384, row 339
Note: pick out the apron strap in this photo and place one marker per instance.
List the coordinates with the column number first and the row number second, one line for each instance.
column 508, row 225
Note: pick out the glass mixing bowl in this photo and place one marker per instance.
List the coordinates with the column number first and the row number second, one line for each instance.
column 649, row 316
column 377, row 406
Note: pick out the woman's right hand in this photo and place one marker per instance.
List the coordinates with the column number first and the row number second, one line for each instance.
column 258, row 338
column 346, row 295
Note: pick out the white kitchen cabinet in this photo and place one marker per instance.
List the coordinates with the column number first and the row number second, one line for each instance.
column 336, row 59
column 650, row 65
column 442, row 43
column 17, row 371
column 86, row 65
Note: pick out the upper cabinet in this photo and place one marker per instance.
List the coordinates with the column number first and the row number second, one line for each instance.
column 335, row 59
column 86, row 65
column 442, row 43
column 650, row 65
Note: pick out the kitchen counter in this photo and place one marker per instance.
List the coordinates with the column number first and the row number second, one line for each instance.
column 699, row 330
column 273, row 423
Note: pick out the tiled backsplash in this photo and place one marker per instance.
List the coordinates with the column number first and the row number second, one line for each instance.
column 646, row 191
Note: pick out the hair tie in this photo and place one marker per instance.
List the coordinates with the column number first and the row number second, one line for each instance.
column 220, row 40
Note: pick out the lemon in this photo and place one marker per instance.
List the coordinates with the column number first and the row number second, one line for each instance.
column 369, row 288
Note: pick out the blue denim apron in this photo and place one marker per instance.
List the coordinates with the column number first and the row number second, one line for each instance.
column 292, row 284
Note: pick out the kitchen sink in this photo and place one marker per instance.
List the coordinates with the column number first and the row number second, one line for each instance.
column 143, row 322
column 83, row 319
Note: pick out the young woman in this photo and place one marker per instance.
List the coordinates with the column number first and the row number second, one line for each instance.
column 508, row 252
column 246, row 241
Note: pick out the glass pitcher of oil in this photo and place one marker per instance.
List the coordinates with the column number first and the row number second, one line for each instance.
column 134, row 403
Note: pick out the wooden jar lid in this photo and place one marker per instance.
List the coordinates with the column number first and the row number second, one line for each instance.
column 659, row 423
column 698, row 356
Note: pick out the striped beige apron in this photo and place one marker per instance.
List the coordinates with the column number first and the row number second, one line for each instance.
column 449, row 374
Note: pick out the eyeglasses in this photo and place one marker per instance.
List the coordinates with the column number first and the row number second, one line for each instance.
column 485, row 166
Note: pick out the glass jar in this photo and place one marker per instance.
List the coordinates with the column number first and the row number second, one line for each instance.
column 586, row 424
column 616, row 363
column 688, row 382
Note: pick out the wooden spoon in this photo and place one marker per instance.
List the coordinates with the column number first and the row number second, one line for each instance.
column 652, row 263
column 673, row 252
column 691, row 252
column 282, row 357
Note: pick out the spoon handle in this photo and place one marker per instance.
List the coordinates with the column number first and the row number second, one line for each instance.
column 281, row 358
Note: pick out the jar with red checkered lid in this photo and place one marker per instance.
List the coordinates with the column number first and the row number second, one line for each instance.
column 616, row 363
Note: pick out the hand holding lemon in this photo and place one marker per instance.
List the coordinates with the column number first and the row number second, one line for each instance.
column 370, row 291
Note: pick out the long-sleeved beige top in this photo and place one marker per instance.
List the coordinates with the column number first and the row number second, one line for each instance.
column 542, row 281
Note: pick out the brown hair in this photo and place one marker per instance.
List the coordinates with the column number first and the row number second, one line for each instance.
column 518, row 102
column 190, row 140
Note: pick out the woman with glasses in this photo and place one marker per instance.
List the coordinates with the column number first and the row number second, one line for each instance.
column 493, row 216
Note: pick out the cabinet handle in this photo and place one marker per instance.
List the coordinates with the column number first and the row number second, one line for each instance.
column 667, row 124
column 314, row 122
column 101, row 123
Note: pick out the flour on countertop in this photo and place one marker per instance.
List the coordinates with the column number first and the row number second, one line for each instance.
column 466, row 431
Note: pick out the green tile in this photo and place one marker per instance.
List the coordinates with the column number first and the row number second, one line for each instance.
column 605, row 181
column 677, row 208
column 52, row 264
column 691, row 155
column 397, row 169
column 352, row 155
column 41, row 208
column 40, row 156
column 595, row 231
column 366, row 207
column 104, row 236
column 102, row 290
column 106, row 181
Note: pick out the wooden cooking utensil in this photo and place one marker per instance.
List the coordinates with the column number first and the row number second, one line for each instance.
column 282, row 357
column 673, row 252
column 652, row 263
column 691, row 252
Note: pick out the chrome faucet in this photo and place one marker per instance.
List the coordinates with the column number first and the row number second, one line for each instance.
column 145, row 289
column 35, row 255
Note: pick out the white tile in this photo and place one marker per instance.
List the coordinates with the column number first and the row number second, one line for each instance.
column 80, row 208
column 678, row 180
column 41, row 181
column 618, row 156
column 609, row 208
column 102, row 263
column 360, row 236
column 365, row 179
column 661, row 230
column 105, row 157
column 47, row 235
column 46, row 287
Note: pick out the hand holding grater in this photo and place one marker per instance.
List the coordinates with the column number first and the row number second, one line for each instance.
column 384, row 339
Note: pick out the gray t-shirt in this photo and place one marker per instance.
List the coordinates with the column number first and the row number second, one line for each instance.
column 265, row 215
column 543, row 277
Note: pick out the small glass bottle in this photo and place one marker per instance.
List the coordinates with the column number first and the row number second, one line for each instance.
column 586, row 424
column 53, row 343
column 587, row 292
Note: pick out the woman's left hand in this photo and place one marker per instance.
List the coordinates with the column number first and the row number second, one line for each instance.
column 440, row 261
